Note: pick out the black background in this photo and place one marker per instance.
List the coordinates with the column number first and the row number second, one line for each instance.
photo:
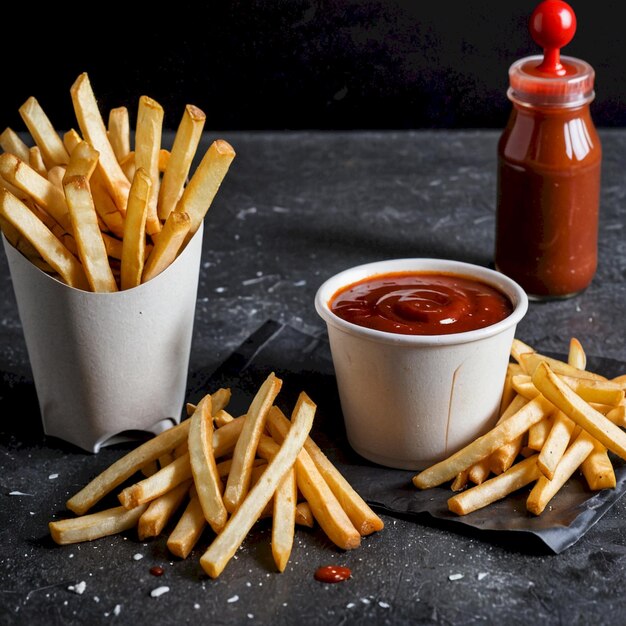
column 299, row 64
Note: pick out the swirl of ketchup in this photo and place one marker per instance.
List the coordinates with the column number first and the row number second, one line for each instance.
column 421, row 303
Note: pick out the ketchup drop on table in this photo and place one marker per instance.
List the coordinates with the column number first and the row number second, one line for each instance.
column 549, row 159
column 332, row 574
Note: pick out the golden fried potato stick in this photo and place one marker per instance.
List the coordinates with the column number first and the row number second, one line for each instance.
column 579, row 411
column 507, row 430
column 93, row 130
column 134, row 241
column 505, row 456
column 538, row 433
column 555, row 445
column 56, row 175
column 496, row 488
column 35, row 160
column 160, row 511
column 147, row 147
column 167, row 245
column 461, row 479
column 598, row 469
column 576, row 356
column 531, row 362
column 205, row 182
column 188, row 529
column 125, row 467
column 545, row 489
column 95, row 525
column 83, row 161
column 156, row 485
column 325, row 506
column 284, row 519
column 11, row 142
column 245, row 449
column 183, row 151
column 359, row 512
column 40, row 189
column 119, row 132
column 43, row 132
column 224, row 546
column 205, row 473
column 304, row 515
column 518, row 348
column 47, row 245
column 91, row 248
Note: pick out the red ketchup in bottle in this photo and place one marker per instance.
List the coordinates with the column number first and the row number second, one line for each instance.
column 549, row 159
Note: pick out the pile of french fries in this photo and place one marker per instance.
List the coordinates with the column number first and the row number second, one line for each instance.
column 556, row 418
column 231, row 472
column 91, row 211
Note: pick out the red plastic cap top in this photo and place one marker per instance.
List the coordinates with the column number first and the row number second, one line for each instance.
column 552, row 26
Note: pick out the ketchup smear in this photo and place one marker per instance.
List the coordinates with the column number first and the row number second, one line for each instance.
column 421, row 303
column 332, row 574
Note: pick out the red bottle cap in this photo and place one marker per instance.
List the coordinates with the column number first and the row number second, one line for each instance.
column 552, row 26
column 551, row 80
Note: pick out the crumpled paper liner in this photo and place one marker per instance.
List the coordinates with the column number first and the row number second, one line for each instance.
column 107, row 365
column 304, row 363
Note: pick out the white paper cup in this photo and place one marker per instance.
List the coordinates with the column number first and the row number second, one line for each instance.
column 107, row 364
column 409, row 401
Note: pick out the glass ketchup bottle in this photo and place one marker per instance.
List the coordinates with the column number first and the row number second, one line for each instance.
column 549, row 159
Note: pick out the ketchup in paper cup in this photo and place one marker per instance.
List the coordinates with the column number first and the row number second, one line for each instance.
column 420, row 349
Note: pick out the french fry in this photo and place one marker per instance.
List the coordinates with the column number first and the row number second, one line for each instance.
column 164, row 159
column 37, row 187
column 360, row 514
column 47, row 245
column 579, row 411
column 150, row 468
column 478, row 472
column 576, row 356
column 147, row 146
column 43, row 132
column 87, row 234
column 460, row 480
column 56, row 175
column 555, row 444
column 224, row 546
column 504, row 432
column 160, row 511
column 545, row 489
column 325, row 506
column 284, row 519
column 505, row 456
column 538, row 433
column 119, row 132
column 518, row 348
column 222, row 417
column 531, row 361
column 105, row 207
column 516, row 477
column 134, row 242
column 203, row 466
column 83, row 162
column 126, row 466
column 245, row 449
column 11, row 142
column 35, row 160
column 167, row 245
column 598, row 469
column 95, row 525
column 93, row 130
column 128, row 165
column 205, row 182
column 188, row 529
column 304, row 515
column 183, row 150
column 156, row 485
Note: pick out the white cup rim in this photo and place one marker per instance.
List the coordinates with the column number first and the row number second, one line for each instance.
column 503, row 283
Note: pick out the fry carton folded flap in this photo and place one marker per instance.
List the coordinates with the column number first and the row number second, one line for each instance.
column 108, row 363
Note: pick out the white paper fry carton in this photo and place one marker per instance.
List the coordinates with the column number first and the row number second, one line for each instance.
column 107, row 364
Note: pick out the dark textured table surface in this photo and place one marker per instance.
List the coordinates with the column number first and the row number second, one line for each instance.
column 294, row 209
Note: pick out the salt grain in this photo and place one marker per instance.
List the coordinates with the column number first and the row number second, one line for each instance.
column 455, row 576
column 482, row 575
column 117, row 610
column 137, row 557
column 53, row 476
column 233, row 599
column 79, row 588
column 159, row 591
column 384, row 605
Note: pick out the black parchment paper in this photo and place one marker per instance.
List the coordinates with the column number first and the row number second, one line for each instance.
column 304, row 363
